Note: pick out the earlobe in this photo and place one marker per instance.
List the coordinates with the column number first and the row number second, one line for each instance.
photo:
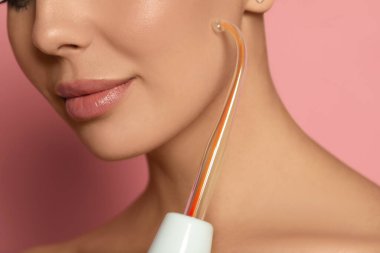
column 258, row 6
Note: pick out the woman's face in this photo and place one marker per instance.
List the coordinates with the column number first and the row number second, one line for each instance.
column 178, row 61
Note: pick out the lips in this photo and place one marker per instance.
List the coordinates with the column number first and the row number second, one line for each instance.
column 88, row 99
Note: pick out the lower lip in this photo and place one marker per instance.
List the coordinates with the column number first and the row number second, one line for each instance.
column 96, row 104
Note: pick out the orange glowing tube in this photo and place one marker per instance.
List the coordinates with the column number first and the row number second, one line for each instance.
column 202, row 189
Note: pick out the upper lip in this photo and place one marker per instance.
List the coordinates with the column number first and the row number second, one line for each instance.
column 83, row 87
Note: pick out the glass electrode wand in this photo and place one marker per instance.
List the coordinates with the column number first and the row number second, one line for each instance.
column 188, row 232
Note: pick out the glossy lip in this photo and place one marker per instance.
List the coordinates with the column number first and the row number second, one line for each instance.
column 87, row 99
column 85, row 87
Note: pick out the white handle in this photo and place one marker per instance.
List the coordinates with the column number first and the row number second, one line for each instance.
column 179, row 233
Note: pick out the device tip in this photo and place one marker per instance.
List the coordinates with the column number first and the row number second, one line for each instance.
column 217, row 26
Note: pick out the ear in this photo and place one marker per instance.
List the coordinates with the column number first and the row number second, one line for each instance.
column 258, row 6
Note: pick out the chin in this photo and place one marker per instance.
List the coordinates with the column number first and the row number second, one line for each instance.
column 111, row 144
column 111, row 154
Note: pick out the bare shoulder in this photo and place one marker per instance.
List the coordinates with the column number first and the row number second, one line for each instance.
column 313, row 244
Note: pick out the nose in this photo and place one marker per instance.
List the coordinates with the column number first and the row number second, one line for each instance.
column 59, row 29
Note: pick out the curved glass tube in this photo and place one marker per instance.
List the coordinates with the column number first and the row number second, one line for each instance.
column 202, row 189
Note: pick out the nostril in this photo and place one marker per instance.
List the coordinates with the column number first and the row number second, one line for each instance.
column 70, row 46
column 73, row 46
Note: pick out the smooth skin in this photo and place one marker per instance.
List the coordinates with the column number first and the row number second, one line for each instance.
column 278, row 191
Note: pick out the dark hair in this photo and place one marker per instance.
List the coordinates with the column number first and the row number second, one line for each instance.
column 16, row 4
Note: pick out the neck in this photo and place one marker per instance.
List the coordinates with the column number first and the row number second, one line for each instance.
column 266, row 151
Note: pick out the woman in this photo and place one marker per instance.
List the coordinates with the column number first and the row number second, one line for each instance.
column 158, row 76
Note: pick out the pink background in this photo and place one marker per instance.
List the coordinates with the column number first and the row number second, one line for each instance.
column 324, row 59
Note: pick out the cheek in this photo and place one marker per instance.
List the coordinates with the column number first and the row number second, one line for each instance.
column 179, row 57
